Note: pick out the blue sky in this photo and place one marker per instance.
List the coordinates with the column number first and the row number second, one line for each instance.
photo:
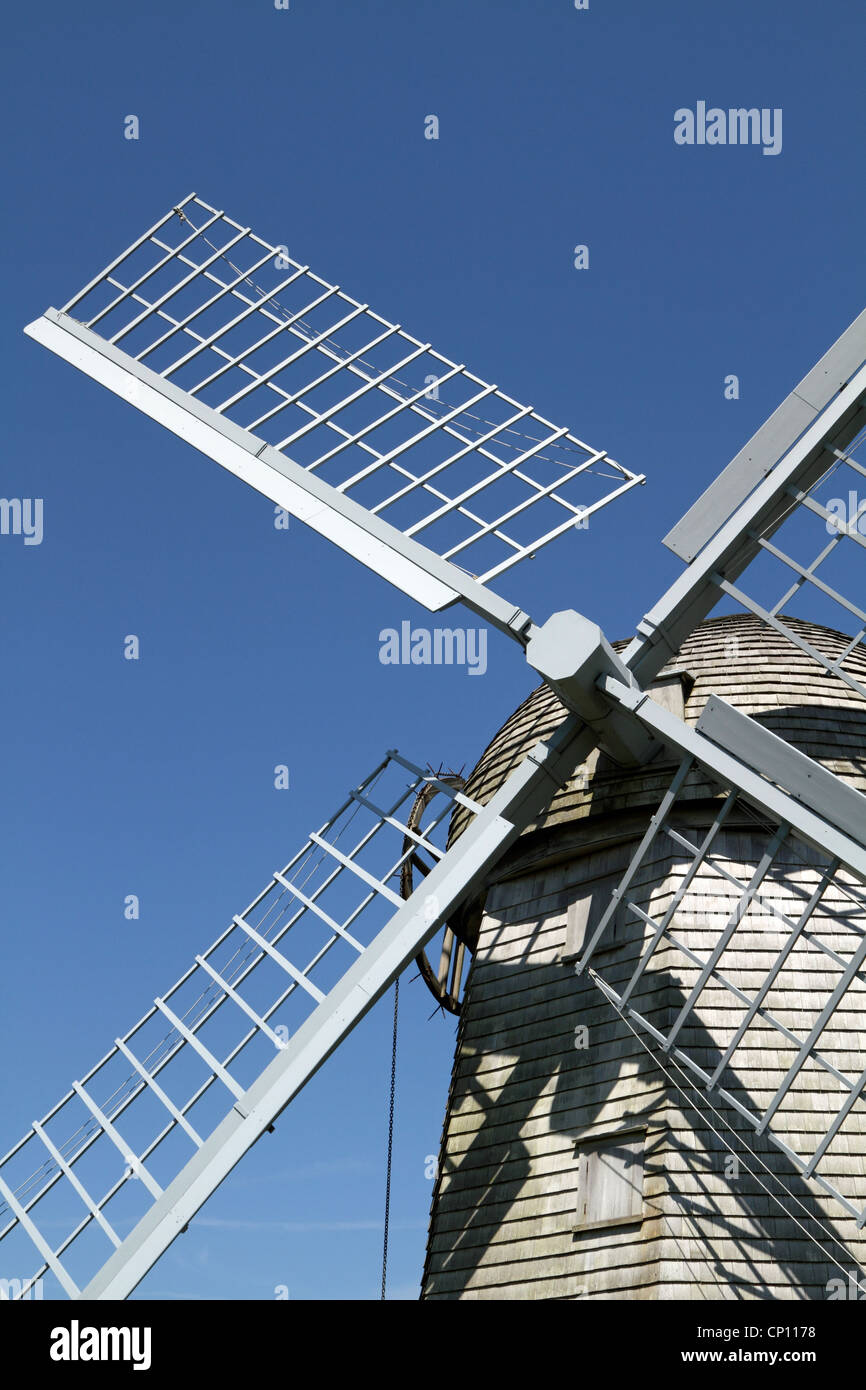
column 260, row 647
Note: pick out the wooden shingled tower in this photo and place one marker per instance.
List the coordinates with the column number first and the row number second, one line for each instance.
column 575, row 1162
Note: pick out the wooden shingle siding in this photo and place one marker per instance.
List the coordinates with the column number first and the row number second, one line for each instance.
column 524, row 1099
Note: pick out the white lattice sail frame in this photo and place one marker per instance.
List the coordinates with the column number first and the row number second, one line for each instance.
column 421, row 469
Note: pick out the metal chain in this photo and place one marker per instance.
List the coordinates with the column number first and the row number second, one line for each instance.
column 390, row 1138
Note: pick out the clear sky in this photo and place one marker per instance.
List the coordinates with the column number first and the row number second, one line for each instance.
column 260, row 647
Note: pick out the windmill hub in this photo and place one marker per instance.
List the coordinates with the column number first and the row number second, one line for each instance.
column 573, row 655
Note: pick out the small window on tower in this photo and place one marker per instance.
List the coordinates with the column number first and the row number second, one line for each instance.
column 610, row 1181
column 671, row 690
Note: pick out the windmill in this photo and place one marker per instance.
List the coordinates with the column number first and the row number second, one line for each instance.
column 441, row 483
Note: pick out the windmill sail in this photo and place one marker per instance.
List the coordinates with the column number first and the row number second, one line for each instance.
column 744, row 941
column 785, row 522
column 429, row 475
column 150, row 1131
